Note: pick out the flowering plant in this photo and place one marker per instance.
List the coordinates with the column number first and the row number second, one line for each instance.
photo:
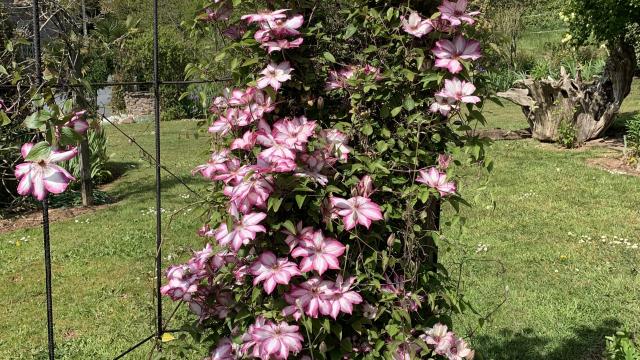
column 62, row 128
column 330, row 162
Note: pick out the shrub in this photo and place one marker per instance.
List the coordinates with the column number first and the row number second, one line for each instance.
column 621, row 346
column 567, row 136
column 135, row 63
column 632, row 139
column 99, row 158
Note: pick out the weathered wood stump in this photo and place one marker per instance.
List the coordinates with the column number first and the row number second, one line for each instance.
column 590, row 107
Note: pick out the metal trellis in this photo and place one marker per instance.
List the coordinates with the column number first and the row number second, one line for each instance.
column 155, row 83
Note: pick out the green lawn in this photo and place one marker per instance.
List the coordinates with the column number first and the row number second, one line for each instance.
column 564, row 294
column 103, row 264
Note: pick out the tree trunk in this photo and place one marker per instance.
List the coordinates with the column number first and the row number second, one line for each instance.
column 590, row 108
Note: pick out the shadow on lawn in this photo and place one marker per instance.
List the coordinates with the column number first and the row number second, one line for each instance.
column 586, row 344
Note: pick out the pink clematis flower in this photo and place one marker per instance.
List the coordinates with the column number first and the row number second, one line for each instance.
column 443, row 161
column 282, row 44
column 246, row 142
column 460, row 91
column 310, row 297
column 43, row 176
column 254, row 190
column 456, row 12
column 459, row 350
column 357, row 210
column 302, row 233
column 314, row 165
column 294, row 132
column 280, row 151
column 319, row 253
column 273, row 341
column 278, row 29
column 439, row 338
column 78, row 123
column 449, row 53
column 343, row 297
column 243, row 232
column 223, row 351
column 265, row 16
column 336, row 143
column 217, row 164
column 183, row 282
column 416, row 25
column 274, row 75
column 232, row 118
column 443, row 105
column 437, row 180
column 273, row 271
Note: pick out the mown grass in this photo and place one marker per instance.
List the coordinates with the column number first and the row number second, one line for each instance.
column 551, row 250
column 102, row 263
column 563, row 296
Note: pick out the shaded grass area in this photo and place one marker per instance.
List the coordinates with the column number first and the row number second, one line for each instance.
column 103, row 264
column 556, row 250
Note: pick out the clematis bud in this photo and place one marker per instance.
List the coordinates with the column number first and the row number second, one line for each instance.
column 391, row 240
column 365, row 186
column 443, row 161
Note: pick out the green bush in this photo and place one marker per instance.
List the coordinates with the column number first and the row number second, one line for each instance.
column 621, row 346
column 567, row 135
column 135, row 63
column 99, row 158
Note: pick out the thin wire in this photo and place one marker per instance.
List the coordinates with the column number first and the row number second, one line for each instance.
column 35, row 8
column 156, row 93
column 142, row 342
column 129, row 83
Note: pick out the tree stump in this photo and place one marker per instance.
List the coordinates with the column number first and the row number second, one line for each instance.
column 589, row 107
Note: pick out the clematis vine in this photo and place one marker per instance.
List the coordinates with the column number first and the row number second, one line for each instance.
column 282, row 177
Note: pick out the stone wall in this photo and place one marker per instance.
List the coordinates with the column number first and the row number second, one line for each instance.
column 139, row 103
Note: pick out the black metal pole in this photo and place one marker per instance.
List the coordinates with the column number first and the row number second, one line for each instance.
column 45, row 203
column 156, row 93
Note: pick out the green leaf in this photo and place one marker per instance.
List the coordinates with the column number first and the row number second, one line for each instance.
column 396, row 111
column 3, row 70
column 350, row 31
column 327, row 55
column 37, row 120
column 39, row 151
column 290, row 227
column 4, row 119
column 367, row 129
column 409, row 103
column 300, row 200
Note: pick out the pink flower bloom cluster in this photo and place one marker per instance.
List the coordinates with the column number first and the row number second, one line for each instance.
column 452, row 14
column 316, row 297
column 446, row 343
column 435, row 179
column 449, row 53
column 275, row 30
column 43, row 176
